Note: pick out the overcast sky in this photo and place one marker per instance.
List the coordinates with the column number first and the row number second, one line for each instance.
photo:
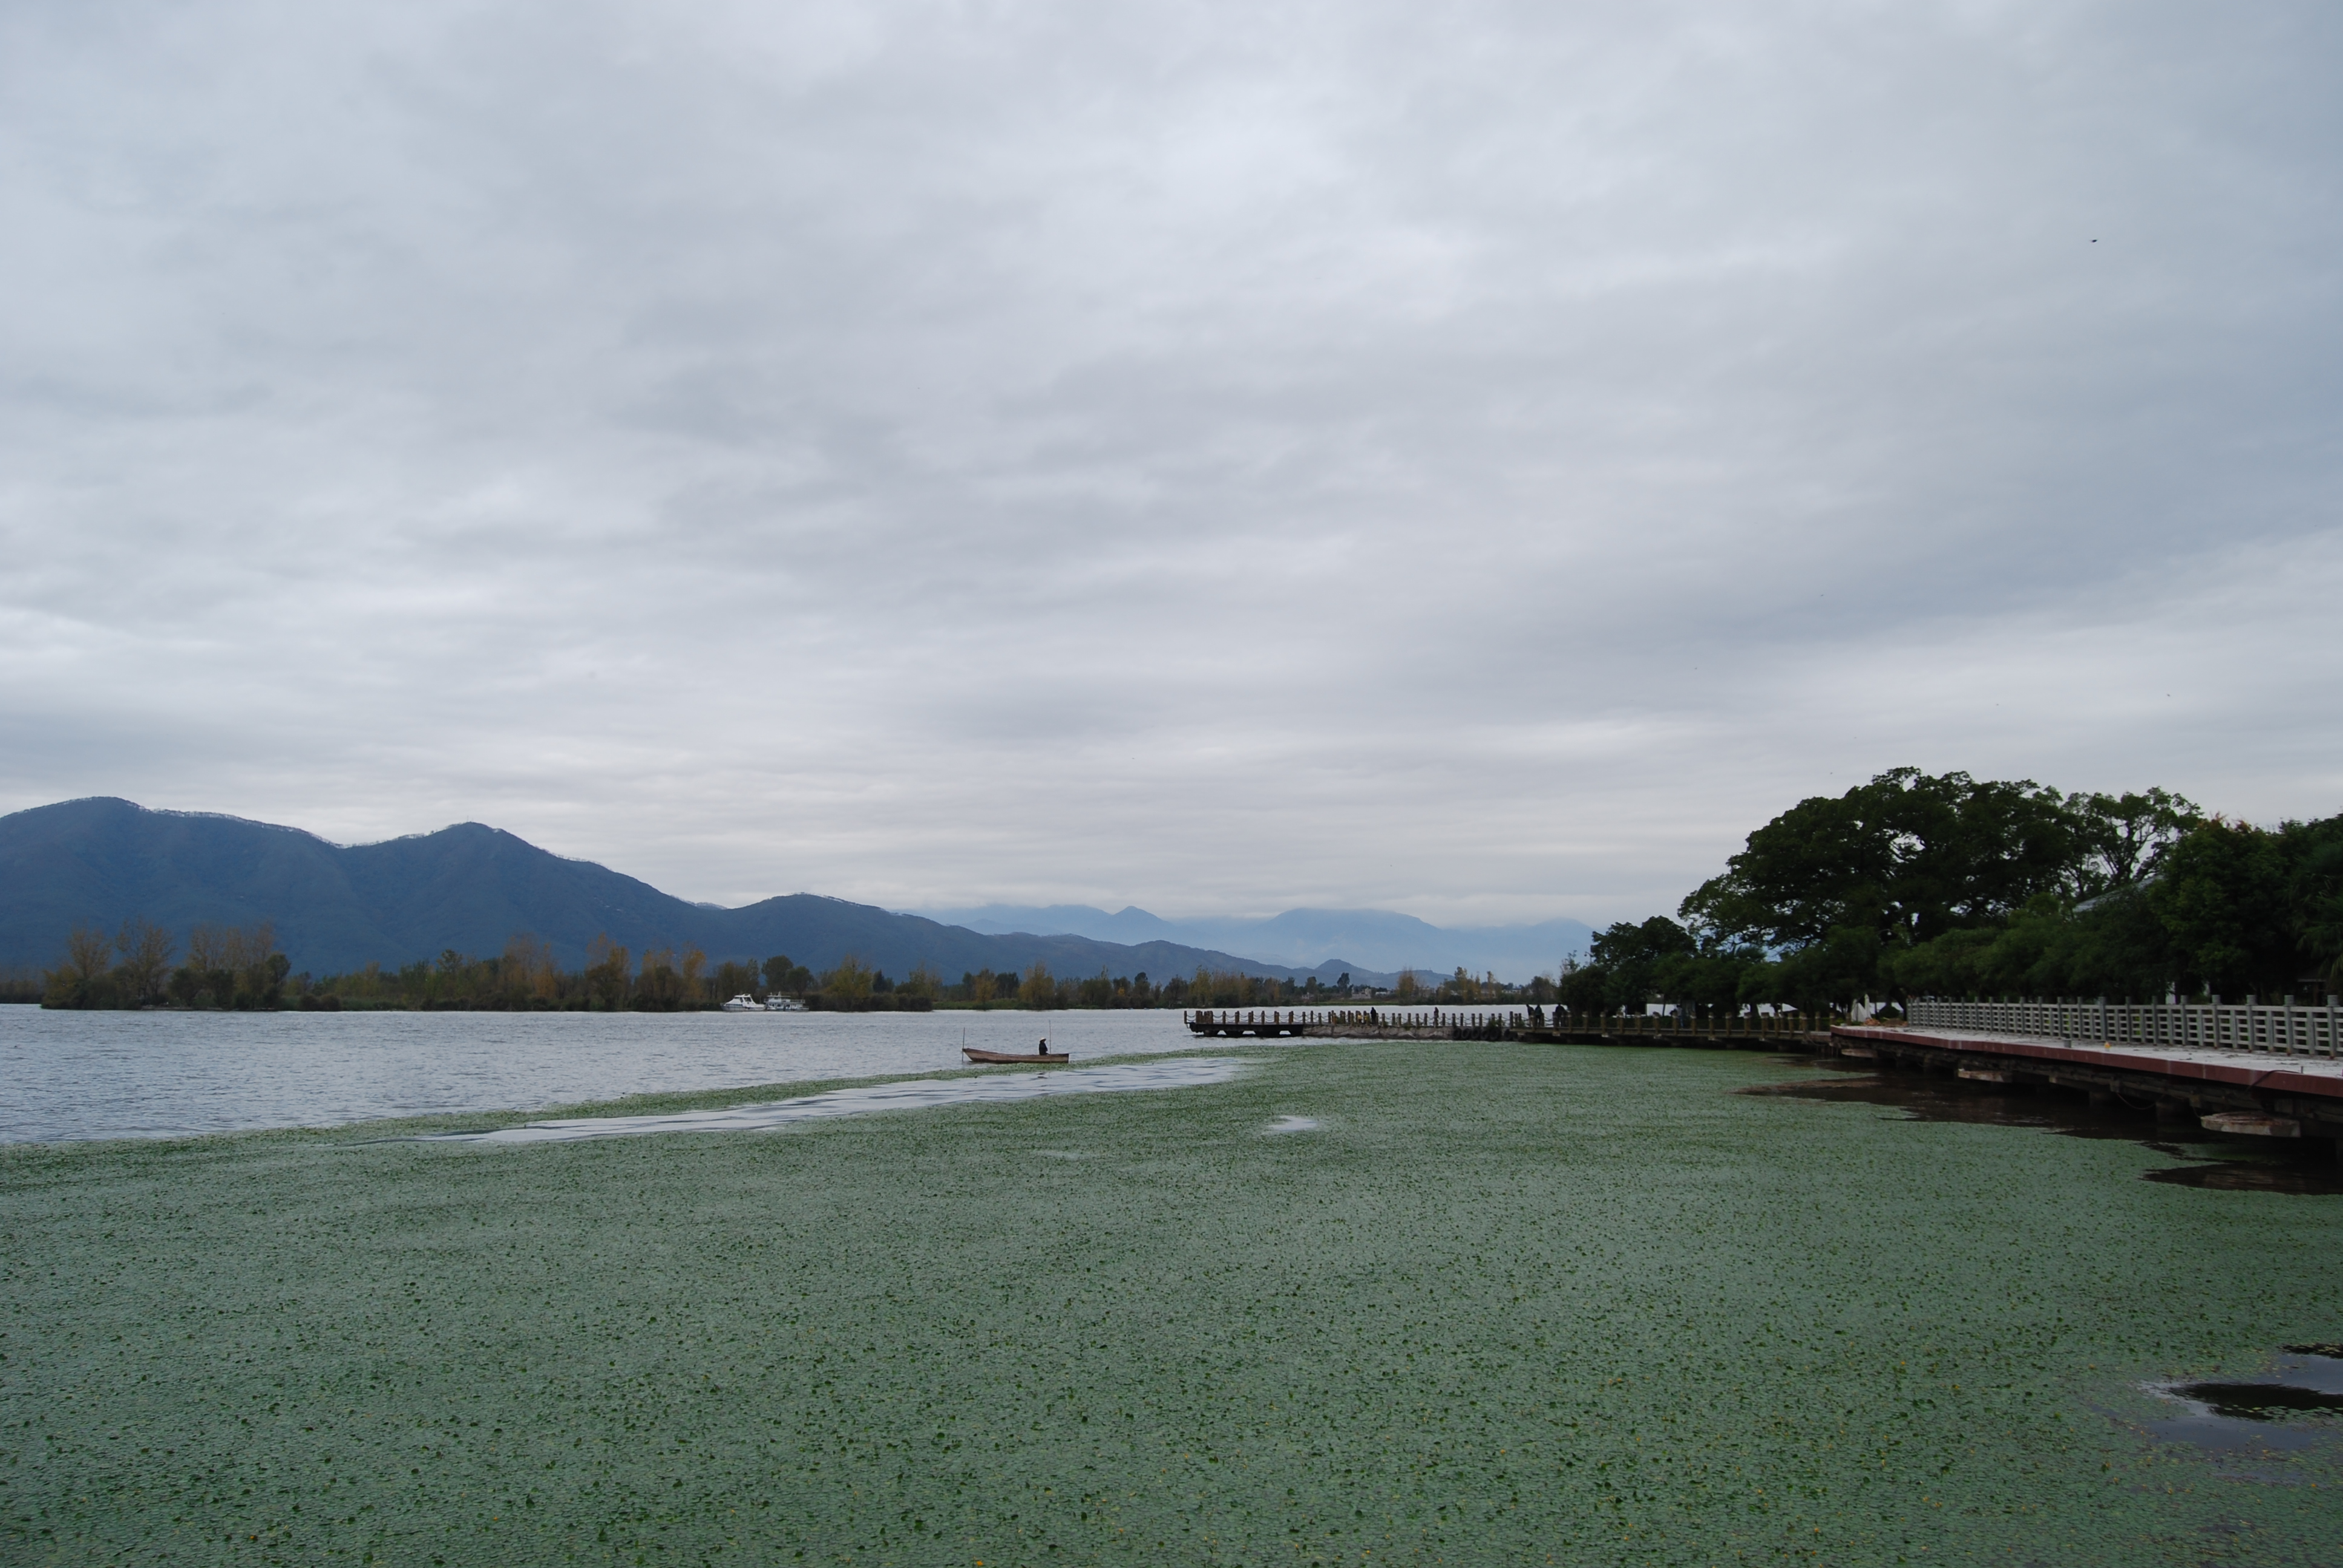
column 1472, row 459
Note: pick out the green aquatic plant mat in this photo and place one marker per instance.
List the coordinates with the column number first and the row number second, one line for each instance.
column 1501, row 1304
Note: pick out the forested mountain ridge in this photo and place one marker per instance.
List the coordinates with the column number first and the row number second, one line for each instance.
column 99, row 861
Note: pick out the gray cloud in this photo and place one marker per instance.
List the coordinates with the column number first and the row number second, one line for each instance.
column 1476, row 460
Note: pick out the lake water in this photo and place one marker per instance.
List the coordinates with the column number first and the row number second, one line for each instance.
column 1499, row 1303
column 79, row 1075
column 862, row 1099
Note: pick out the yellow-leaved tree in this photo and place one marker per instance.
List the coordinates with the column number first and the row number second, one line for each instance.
column 606, row 972
column 526, row 972
column 847, row 985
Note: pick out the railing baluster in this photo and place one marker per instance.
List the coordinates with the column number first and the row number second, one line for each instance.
column 2267, row 1028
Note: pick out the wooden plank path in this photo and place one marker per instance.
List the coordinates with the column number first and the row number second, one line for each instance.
column 2281, row 1078
column 2226, row 1088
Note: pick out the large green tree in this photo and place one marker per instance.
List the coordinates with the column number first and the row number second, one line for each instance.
column 1906, row 858
column 2253, row 911
column 2227, row 909
column 2121, row 840
column 1944, row 884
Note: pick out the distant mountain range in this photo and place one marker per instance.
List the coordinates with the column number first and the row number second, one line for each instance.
column 1376, row 938
column 470, row 888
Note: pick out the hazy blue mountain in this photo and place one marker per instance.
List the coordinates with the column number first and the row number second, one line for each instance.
column 1130, row 924
column 1377, row 940
column 469, row 887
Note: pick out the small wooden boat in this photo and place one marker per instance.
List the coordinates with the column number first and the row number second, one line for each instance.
column 1002, row 1058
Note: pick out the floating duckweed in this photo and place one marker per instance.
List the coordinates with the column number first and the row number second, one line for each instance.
column 1505, row 1303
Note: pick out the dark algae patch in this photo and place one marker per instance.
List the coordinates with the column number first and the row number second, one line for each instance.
column 1499, row 1305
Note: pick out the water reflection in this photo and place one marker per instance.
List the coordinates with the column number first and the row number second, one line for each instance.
column 2219, row 1163
column 2256, row 1401
column 2286, row 1410
column 67, row 1075
column 917, row 1094
column 2305, row 1175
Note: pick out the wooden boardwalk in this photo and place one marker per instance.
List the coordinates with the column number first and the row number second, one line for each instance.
column 1544, row 1026
column 2227, row 1077
column 2226, row 1089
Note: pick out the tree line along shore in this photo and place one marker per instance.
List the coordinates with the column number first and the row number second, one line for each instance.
column 1918, row 885
column 242, row 969
column 1909, row 885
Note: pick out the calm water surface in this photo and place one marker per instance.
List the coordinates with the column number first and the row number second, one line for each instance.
column 74, row 1075
column 899, row 1094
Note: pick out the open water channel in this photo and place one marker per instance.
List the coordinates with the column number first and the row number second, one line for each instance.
column 80, row 1075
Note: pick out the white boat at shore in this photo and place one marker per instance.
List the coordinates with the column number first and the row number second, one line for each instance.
column 744, row 1002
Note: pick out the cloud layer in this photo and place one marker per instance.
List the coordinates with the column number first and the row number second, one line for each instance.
column 1478, row 460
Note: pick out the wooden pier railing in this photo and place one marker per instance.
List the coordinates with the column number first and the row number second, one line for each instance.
column 2279, row 1029
column 1524, row 1024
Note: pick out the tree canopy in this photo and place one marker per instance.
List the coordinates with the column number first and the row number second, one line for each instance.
column 1920, row 884
column 1910, row 856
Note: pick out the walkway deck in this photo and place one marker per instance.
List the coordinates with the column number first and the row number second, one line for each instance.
column 1536, row 1026
column 2179, row 1081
